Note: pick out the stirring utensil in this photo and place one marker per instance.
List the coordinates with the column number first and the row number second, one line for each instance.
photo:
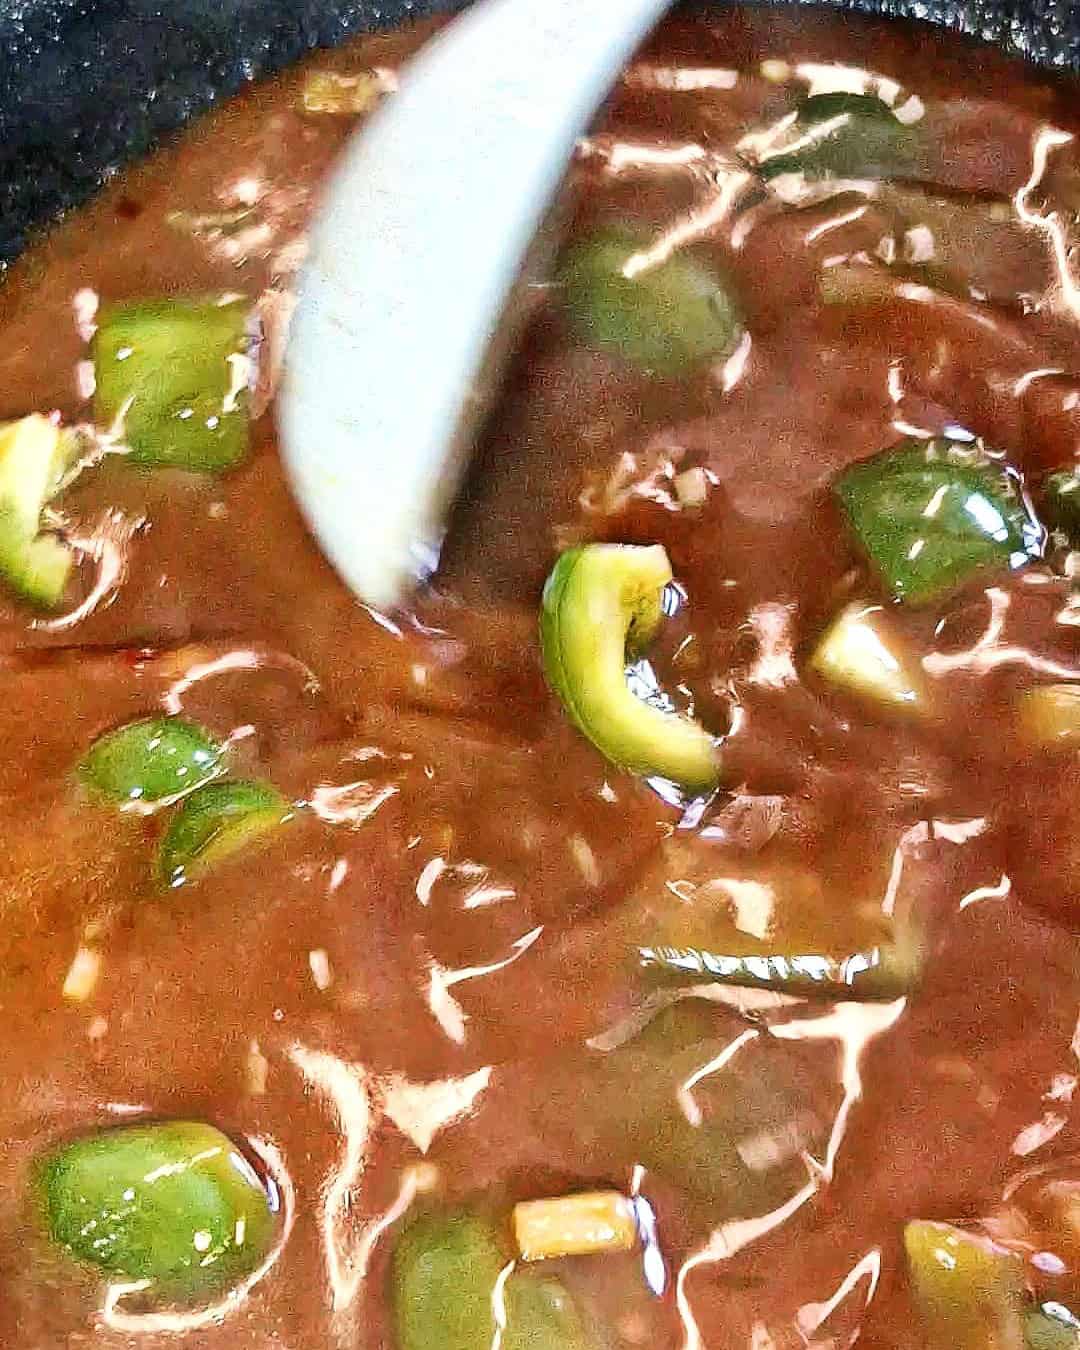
column 431, row 223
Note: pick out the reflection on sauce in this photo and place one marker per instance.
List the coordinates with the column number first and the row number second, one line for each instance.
column 426, row 990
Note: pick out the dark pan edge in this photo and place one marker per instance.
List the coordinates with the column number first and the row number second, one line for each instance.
column 86, row 85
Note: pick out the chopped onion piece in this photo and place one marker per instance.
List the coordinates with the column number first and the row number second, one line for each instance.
column 1050, row 715
column 82, row 976
column 862, row 653
column 575, row 1225
column 692, row 487
column 325, row 91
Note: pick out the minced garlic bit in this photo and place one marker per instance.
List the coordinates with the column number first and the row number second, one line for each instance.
column 258, row 1070
column 319, row 963
column 692, row 487
column 575, row 1225
column 585, row 858
column 82, row 976
column 776, row 72
column 325, row 91
column 425, row 1177
column 207, row 225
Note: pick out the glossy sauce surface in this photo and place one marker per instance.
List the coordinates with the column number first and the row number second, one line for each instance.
column 431, row 965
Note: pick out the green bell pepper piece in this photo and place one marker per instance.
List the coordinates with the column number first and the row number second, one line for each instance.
column 1051, row 1327
column 930, row 514
column 175, row 1203
column 446, row 1272
column 541, row 1315
column 34, row 456
column 845, row 135
column 665, row 319
column 173, row 375
column 744, row 1155
column 215, row 822
column 153, row 760
column 969, row 1291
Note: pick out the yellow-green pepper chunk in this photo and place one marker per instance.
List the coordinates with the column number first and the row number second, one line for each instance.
column 969, row 1291
column 599, row 601
column 33, row 459
column 449, row 1291
column 172, row 376
column 665, row 318
column 154, row 760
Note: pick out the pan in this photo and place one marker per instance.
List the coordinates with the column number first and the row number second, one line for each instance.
column 86, row 85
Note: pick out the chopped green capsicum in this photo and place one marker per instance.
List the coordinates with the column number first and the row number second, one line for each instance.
column 541, row 1315
column 33, row 461
column 445, row 1270
column 664, row 317
column 1061, row 505
column 821, row 942
column 876, row 973
column 446, row 1280
column 1051, row 1327
column 843, row 135
column 733, row 1143
column 969, row 1291
column 215, row 822
column 930, row 514
column 175, row 1203
column 599, row 601
column 172, row 377
column 151, row 761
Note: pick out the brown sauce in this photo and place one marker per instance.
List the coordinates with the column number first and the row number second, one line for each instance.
column 447, row 909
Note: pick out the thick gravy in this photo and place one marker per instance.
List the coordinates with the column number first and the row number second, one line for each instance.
column 428, row 991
